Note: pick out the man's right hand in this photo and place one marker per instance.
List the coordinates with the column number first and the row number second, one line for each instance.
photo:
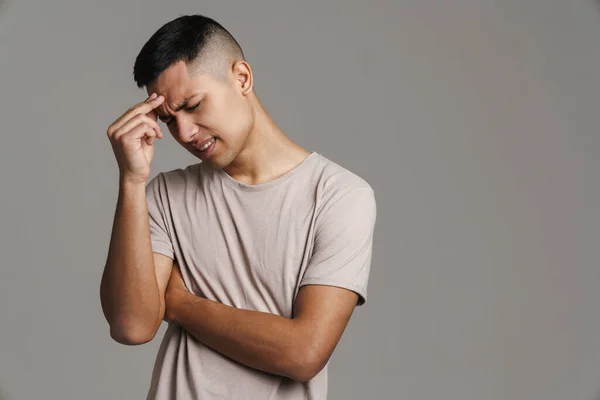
column 132, row 136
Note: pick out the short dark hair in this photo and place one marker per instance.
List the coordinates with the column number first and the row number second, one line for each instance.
column 188, row 38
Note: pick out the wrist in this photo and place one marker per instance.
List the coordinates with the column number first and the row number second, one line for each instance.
column 176, row 302
column 128, row 181
column 130, row 188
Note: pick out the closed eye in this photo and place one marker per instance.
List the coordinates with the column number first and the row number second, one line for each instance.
column 193, row 107
column 167, row 119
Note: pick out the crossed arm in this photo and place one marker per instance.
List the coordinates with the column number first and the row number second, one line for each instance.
column 297, row 348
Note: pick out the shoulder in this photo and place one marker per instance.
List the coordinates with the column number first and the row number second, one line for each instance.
column 341, row 194
column 336, row 184
column 177, row 178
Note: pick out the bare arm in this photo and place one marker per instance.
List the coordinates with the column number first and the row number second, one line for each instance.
column 296, row 348
column 134, row 279
column 299, row 347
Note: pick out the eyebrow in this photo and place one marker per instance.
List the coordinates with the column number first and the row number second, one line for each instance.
column 179, row 106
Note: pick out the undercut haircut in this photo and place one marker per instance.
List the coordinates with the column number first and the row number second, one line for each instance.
column 201, row 42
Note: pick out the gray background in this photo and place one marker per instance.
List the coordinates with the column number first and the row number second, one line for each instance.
column 476, row 122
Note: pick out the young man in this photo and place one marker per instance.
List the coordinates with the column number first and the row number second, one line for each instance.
column 256, row 256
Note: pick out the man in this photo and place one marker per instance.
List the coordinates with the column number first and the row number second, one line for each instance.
column 256, row 256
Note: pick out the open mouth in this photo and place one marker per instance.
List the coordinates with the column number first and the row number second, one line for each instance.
column 207, row 145
column 207, row 149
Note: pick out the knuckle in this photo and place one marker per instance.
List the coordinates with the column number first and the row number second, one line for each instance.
column 122, row 137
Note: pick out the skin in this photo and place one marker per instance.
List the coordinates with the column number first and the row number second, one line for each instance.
column 250, row 146
column 140, row 288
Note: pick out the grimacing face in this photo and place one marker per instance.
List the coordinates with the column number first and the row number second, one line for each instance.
column 215, row 113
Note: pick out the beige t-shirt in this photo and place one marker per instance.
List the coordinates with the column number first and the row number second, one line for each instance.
column 252, row 247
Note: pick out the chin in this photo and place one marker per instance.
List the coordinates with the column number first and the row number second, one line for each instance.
column 220, row 161
column 214, row 164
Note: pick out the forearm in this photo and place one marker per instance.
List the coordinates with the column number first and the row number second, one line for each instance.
column 129, row 289
column 267, row 342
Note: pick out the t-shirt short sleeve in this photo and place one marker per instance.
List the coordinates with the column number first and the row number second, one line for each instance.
column 343, row 242
column 159, row 231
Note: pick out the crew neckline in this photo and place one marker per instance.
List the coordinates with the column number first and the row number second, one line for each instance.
column 228, row 179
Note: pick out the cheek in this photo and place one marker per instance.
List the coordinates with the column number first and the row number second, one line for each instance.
column 236, row 122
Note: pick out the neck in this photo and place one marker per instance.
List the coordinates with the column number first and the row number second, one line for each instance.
column 267, row 154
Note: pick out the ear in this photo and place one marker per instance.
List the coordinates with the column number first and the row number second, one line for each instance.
column 243, row 76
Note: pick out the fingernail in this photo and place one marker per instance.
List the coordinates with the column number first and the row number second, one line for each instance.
column 153, row 95
column 159, row 98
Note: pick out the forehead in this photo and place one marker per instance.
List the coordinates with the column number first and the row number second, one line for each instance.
column 176, row 83
column 173, row 83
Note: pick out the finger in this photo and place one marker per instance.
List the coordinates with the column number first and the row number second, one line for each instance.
column 116, row 126
column 118, row 122
column 153, row 114
column 149, row 140
column 135, row 121
column 129, row 125
column 142, row 131
column 141, row 108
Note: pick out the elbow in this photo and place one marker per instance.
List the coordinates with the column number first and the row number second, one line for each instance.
column 131, row 335
column 304, row 365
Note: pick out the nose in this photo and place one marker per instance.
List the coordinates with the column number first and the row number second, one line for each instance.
column 186, row 129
